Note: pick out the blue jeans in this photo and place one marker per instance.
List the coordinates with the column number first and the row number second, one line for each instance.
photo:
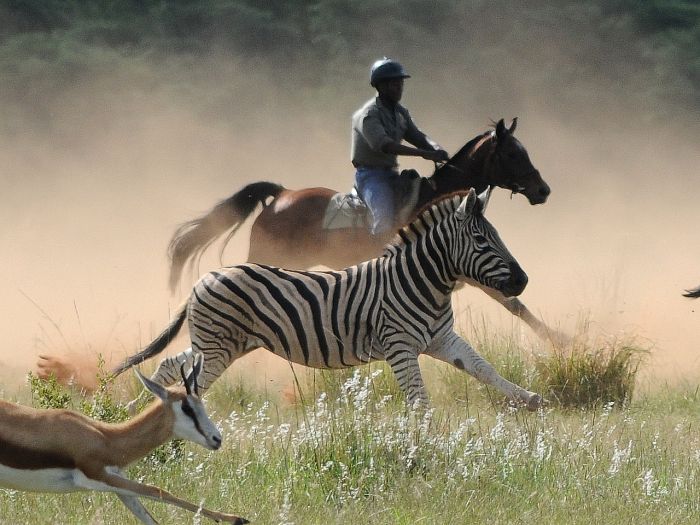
column 376, row 187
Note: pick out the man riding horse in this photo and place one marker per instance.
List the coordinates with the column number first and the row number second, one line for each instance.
column 378, row 128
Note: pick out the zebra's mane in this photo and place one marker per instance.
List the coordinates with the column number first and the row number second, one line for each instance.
column 431, row 214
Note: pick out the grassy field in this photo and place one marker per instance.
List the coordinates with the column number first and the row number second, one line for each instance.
column 347, row 451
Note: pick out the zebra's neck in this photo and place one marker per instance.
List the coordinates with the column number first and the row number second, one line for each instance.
column 419, row 258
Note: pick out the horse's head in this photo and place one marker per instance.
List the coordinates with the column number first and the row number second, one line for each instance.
column 483, row 256
column 508, row 165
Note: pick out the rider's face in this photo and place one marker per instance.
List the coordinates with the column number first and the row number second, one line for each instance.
column 391, row 89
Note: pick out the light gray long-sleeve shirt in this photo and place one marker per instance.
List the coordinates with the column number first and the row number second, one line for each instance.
column 374, row 125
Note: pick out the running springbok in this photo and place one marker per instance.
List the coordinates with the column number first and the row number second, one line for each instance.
column 64, row 451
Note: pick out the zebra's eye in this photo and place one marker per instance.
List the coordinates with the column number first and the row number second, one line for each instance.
column 480, row 239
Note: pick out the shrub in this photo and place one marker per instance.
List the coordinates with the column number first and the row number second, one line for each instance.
column 588, row 374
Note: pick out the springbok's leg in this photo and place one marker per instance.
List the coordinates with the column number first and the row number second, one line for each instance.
column 517, row 308
column 136, row 507
column 404, row 363
column 114, row 481
column 456, row 351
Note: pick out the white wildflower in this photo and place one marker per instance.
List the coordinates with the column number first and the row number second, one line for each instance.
column 619, row 458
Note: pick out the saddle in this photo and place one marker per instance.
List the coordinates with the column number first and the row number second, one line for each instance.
column 348, row 210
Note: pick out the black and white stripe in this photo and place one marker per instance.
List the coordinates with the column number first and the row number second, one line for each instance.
column 393, row 308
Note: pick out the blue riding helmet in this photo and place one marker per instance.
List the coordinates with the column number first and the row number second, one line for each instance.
column 386, row 69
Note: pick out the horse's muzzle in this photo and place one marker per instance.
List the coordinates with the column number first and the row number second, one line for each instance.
column 537, row 193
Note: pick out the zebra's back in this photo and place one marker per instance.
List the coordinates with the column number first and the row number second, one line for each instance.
column 318, row 319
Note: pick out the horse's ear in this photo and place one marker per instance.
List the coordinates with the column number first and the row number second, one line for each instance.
column 484, row 197
column 466, row 207
column 500, row 129
column 513, row 125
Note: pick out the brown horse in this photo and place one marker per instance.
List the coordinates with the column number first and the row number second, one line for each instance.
column 289, row 233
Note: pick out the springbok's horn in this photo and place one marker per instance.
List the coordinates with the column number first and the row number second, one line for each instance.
column 196, row 370
column 185, row 379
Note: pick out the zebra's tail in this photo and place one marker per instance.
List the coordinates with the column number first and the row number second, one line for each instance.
column 694, row 292
column 158, row 345
column 193, row 237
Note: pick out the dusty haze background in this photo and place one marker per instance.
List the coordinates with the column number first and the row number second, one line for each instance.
column 106, row 146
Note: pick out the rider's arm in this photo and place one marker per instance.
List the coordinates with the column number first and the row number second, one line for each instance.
column 377, row 138
column 420, row 140
column 400, row 149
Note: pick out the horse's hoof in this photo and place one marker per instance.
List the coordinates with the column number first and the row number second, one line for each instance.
column 535, row 402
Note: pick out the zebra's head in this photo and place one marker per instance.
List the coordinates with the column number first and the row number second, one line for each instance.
column 478, row 252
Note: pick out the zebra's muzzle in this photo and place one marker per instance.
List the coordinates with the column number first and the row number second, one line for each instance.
column 516, row 283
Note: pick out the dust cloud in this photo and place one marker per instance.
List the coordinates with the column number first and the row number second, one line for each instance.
column 92, row 194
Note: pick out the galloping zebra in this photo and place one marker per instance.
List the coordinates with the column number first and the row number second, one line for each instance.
column 391, row 308
column 693, row 293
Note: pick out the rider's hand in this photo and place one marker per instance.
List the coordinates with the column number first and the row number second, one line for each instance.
column 438, row 155
column 444, row 156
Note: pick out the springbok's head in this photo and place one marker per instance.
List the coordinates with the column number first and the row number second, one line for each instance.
column 510, row 167
column 482, row 256
column 191, row 421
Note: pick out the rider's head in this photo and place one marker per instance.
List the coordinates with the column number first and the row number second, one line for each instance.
column 387, row 77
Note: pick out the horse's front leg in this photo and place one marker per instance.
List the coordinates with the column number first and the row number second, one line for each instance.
column 518, row 309
column 456, row 351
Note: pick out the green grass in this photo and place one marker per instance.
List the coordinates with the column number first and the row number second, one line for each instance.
column 351, row 453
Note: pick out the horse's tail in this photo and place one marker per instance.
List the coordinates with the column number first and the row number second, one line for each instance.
column 158, row 345
column 193, row 237
column 693, row 293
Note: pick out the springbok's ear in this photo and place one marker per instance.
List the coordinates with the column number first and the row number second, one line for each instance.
column 484, row 197
column 513, row 125
column 158, row 390
column 466, row 207
column 501, row 129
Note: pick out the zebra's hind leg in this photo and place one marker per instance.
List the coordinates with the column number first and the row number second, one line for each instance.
column 167, row 373
column 404, row 363
column 456, row 351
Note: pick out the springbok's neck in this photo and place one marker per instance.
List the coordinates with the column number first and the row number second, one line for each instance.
column 133, row 439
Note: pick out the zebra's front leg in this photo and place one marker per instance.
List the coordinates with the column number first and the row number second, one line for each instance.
column 518, row 309
column 456, row 351
column 403, row 361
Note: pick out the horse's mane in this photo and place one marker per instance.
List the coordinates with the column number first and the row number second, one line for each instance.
column 429, row 215
column 466, row 149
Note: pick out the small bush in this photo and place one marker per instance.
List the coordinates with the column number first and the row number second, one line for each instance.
column 103, row 406
column 591, row 374
column 48, row 393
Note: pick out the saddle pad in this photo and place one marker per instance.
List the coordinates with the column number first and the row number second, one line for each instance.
column 346, row 210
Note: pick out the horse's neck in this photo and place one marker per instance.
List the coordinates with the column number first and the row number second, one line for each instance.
column 464, row 171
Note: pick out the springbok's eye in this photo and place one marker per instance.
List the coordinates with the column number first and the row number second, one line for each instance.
column 187, row 409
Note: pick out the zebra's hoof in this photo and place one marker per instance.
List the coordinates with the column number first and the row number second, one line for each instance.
column 535, row 402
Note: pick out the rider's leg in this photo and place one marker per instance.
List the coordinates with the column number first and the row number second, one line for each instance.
column 376, row 187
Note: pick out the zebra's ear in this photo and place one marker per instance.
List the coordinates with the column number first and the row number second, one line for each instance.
column 466, row 207
column 158, row 390
column 484, row 197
